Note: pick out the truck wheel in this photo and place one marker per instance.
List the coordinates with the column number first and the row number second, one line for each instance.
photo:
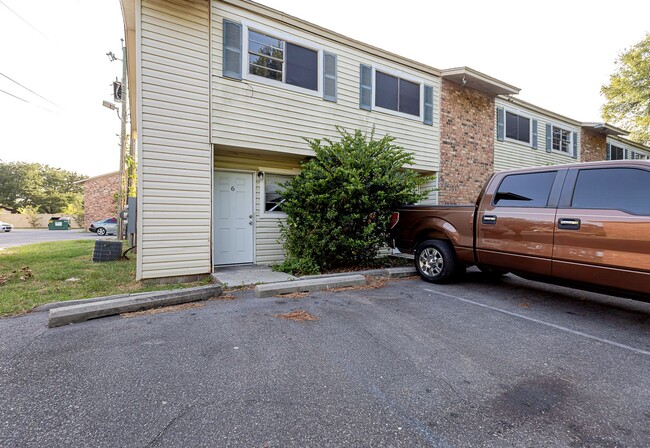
column 435, row 261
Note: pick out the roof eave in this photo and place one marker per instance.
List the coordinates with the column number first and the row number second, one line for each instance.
column 468, row 77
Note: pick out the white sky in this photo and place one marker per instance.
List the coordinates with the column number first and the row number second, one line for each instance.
column 558, row 52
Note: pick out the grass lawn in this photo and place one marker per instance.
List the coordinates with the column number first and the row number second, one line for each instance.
column 42, row 273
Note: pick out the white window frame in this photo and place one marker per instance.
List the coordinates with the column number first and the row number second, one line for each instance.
column 520, row 113
column 272, row 32
column 405, row 77
column 263, row 212
column 569, row 151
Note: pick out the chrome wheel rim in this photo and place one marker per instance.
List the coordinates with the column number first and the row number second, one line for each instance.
column 431, row 262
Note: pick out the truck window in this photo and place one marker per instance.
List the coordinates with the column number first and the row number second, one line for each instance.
column 623, row 189
column 525, row 190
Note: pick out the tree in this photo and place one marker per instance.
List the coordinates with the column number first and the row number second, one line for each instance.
column 31, row 212
column 628, row 92
column 339, row 206
column 48, row 189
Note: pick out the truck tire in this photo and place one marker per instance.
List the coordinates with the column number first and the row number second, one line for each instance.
column 435, row 261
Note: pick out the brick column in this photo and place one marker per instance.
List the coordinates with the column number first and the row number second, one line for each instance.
column 593, row 146
column 466, row 143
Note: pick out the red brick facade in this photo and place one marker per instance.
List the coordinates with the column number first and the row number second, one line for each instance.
column 593, row 146
column 99, row 197
column 466, row 143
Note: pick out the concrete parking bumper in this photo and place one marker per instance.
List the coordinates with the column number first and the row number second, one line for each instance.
column 115, row 305
column 315, row 284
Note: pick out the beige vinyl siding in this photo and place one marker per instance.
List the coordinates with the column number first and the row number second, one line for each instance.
column 251, row 114
column 512, row 155
column 267, row 226
column 175, row 159
column 432, row 199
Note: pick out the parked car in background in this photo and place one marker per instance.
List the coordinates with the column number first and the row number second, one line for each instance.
column 106, row 226
column 5, row 226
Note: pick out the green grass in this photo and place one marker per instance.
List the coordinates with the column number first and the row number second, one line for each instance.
column 52, row 264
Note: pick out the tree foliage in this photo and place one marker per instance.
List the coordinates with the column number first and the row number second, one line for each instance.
column 47, row 189
column 628, row 92
column 339, row 206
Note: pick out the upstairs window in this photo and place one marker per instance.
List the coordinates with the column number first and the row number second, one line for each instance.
column 517, row 127
column 561, row 139
column 615, row 153
column 282, row 61
column 397, row 94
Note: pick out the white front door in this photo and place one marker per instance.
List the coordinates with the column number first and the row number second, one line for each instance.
column 233, row 217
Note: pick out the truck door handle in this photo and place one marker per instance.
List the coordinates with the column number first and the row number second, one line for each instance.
column 568, row 223
column 489, row 219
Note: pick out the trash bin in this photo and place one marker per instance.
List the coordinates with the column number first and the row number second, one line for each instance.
column 57, row 223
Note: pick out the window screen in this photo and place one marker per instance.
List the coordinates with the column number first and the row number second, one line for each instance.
column 525, row 190
column 623, row 189
column 387, row 95
column 302, row 67
column 517, row 127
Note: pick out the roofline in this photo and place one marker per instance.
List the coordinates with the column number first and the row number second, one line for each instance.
column 95, row 177
column 629, row 142
column 605, row 128
column 540, row 110
column 309, row 27
column 495, row 86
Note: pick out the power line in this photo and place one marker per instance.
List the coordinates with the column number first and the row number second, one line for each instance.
column 24, row 100
column 19, row 16
column 28, row 89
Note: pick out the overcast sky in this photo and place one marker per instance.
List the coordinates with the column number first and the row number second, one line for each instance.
column 54, row 73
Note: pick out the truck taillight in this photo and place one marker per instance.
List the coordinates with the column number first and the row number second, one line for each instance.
column 394, row 219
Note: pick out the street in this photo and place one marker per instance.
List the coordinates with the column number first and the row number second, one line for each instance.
column 20, row 237
column 475, row 364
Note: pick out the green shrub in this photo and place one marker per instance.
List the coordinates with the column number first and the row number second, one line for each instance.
column 339, row 206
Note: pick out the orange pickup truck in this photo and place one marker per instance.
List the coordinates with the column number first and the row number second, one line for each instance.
column 585, row 225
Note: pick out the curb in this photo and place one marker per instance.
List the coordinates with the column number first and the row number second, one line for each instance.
column 53, row 305
column 309, row 285
column 109, row 306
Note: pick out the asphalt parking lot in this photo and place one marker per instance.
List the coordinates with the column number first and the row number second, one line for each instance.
column 20, row 237
column 477, row 364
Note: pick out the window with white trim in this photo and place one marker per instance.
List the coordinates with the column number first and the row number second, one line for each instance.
column 561, row 139
column 517, row 127
column 274, row 184
column 397, row 94
column 615, row 153
column 283, row 61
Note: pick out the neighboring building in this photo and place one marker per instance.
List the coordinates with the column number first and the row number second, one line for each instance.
column 100, row 193
column 223, row 93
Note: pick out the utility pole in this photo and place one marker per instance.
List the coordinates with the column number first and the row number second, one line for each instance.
column 122, row 171
column 122, row 200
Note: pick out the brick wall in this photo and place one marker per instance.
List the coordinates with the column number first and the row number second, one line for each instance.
column 466, row 143
column 593, row 146
column 99, row 198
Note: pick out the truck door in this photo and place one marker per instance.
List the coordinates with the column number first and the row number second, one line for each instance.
column 602, row 231
column 516, row 220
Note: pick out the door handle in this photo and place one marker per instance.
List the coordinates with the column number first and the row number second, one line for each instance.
column 568, row 223
column 489, row 219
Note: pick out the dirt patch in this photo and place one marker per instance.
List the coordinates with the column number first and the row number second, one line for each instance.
column 293, row 295
column 165, row 309
column 298, row 315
